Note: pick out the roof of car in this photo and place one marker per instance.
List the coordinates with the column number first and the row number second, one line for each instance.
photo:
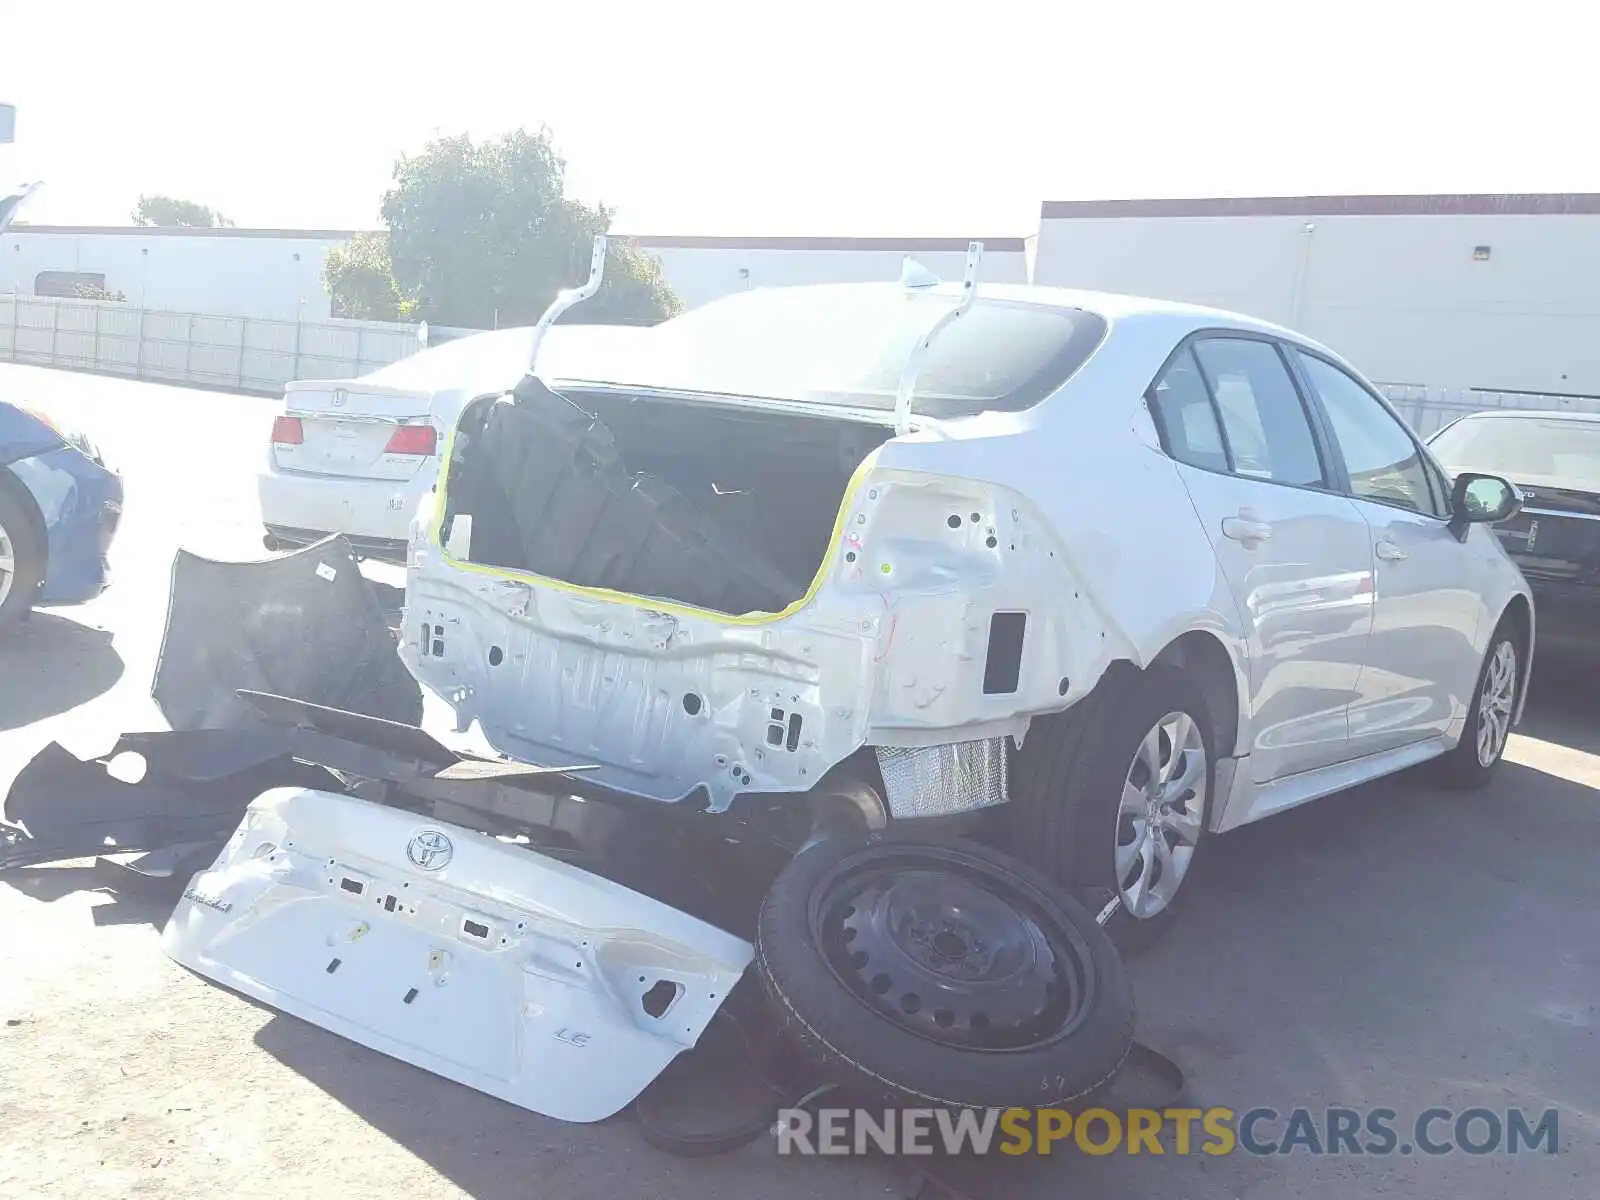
column 1541, row 414
column 1161, row 323
column 1120, row 305
column 1114, row 305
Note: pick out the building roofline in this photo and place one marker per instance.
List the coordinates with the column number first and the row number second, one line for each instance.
column 1445, row 204
column 905, row 245
column 187, row 231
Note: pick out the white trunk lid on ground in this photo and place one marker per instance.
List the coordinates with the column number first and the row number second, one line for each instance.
column 479, row 960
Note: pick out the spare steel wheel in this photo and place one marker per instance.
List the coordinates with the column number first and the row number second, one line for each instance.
column 941, row 972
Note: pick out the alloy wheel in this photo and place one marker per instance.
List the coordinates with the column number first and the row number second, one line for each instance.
column 8, row 564
column 1495, row 703
column 1160, row 818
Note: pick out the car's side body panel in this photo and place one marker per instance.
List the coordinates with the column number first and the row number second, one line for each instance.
column 1305, row 600
column 1428, row 629
column 77, row 502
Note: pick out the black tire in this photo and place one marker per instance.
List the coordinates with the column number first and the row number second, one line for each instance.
column 1067, row 781
column 1461, row 768
column 718, row 1095
column 17, row 525
column 1076, row 1043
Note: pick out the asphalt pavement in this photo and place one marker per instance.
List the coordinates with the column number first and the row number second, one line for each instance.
column 1395, row 947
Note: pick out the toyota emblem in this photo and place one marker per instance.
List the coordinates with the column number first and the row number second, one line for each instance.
column 429, row 849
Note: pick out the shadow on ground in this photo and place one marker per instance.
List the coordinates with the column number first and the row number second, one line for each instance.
column 490, row 1149
column 1564, row 702
column 51, row 664
column 138, row 899
column 1396, row 946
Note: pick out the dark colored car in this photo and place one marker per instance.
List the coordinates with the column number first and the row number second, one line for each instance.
column 59, row 509
column 1554, row 458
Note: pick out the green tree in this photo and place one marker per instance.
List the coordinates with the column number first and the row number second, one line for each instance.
column 360, row 280
column 164, row 210
column 484, row 234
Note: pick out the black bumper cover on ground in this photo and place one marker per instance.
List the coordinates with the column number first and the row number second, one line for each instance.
column 195, row 787
column 305, row 625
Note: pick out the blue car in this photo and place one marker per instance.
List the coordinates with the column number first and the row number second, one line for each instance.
column 59, row 509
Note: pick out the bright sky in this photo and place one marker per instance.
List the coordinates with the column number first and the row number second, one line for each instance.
column 825, row 117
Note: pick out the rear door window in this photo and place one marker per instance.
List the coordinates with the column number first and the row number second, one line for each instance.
column 1181, row 404
column 1266, row 432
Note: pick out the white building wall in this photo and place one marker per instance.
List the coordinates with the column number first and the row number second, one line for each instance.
column 275, row 274
column 1399, row 293
column 702, row 269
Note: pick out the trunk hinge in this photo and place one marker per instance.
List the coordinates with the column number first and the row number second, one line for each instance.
column 566, row 298
column 908, row 375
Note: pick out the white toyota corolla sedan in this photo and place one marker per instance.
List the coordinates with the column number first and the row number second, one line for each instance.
column 1141, row 572
column 356, row 456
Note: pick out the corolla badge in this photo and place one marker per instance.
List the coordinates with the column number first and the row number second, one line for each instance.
column 429, row 849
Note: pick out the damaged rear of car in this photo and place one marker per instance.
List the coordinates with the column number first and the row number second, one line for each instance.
column 796, row 565
column 727, row 571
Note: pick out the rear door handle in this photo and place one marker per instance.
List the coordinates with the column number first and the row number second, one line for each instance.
column 1246, row 530
column 1389, row 552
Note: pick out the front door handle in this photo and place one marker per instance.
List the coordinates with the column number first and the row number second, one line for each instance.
column 1389, row 552
column 1246, row 529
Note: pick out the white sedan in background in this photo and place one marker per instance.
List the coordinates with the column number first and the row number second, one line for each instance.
column 356, row 456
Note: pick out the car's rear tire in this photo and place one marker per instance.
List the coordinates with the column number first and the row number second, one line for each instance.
column 1470, row 765
column 940, row 971
column 21, row 561
column 1111, row 797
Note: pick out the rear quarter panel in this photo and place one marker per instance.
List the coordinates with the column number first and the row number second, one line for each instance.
column 1121, row 523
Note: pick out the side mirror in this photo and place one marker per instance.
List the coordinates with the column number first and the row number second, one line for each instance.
column 1481, row 500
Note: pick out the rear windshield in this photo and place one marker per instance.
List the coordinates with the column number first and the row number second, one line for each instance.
column 1560, row 453
column 848, row 345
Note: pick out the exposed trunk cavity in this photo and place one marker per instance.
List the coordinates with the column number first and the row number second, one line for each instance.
column 716, row 505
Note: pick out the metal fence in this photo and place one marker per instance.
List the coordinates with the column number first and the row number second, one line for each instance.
column 257, row 355
column 1429, row 410
column 244, row 353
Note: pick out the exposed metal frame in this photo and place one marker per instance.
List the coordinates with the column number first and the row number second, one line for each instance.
column 913, row 367
column 568, row 297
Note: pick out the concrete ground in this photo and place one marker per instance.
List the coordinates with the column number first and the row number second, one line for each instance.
column 1394, row 947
